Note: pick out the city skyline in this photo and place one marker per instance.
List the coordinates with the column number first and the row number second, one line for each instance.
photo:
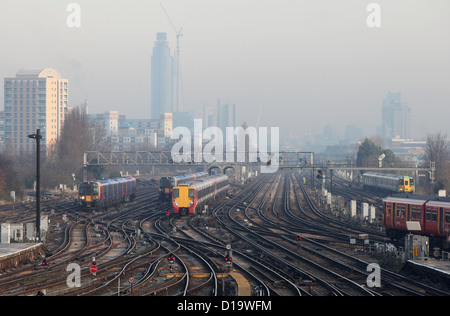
column 305, row 64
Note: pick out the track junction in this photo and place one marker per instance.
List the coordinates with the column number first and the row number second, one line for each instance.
column 281, row 244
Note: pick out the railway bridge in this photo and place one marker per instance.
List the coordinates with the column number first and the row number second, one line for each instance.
column 237, row 161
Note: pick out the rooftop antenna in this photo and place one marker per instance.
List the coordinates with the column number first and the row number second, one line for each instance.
column 177, row 71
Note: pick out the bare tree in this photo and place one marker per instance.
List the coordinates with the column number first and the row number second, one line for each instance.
column 437, row 151
column 77, row 137
column 9, row 177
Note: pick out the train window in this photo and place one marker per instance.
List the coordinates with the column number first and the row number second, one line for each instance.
column 416, row 213
column 400, row 211
column 86, row 189
column 95, row 189
column 411, row 181
column 176, row 193
column 191, row 193
column 389, row 209
column 428, row 214
column 434, row 215
column 447, row 217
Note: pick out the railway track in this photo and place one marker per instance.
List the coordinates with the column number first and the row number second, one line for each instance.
column 261, row 221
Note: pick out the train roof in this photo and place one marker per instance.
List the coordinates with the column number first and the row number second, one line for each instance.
column 440, row 202
column 188, row 175
column 204, row 181
column 384, row 175
column 416, row 198
column 115, row 180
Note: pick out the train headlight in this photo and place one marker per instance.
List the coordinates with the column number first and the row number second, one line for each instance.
column 82, row 197
column 191, row 203
column 175, row 202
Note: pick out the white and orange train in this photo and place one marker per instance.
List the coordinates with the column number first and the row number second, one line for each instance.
column 101, row 193
column 189, row 197
column 166, row 184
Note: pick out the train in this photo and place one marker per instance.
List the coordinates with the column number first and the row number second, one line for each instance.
column 418, row 214
column 101, row 193
column 166, row 184
column 388, row 182
column 188, row 198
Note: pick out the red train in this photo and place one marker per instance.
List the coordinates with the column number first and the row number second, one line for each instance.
column 419, row 214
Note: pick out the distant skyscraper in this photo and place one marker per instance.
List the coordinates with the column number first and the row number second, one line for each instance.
column 396, row 117
column 34, row 99
column 162, row 78
column 226, row 115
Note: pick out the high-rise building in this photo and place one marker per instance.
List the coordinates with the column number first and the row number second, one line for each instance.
column 162, row 78
column 166, row 125
column 396, row 117
column 226, row 115
column 112, row 123
column 34, row 99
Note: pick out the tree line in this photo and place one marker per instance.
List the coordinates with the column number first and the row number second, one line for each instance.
column 63, row 159
column 437, row 150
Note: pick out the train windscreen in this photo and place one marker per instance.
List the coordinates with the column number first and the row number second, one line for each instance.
column 165, row 183
column 86, row 189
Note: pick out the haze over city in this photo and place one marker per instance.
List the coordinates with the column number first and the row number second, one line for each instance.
column 305, row 64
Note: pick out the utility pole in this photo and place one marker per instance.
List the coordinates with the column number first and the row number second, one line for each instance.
column 431, row 173
column 38, row 138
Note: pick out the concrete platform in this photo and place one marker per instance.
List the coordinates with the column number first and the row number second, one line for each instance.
column 244, row 288
column 13, row 255
column 432, row 266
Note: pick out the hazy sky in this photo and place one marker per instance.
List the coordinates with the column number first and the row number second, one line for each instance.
column 306, row 63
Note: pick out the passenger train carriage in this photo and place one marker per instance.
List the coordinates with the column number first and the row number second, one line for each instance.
column 166, row 184
column 189, row 197
column 102, row 193
column 418, row 214
column 388, row 182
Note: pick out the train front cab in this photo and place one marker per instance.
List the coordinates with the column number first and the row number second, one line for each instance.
column 406, row 184
column 166, row 185
column 184, row 200
column 88, row 194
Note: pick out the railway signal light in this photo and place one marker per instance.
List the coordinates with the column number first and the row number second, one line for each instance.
column 40, row 293
column 228, row 260
column 45, row 263
column 171, row 259
column 299, row 241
